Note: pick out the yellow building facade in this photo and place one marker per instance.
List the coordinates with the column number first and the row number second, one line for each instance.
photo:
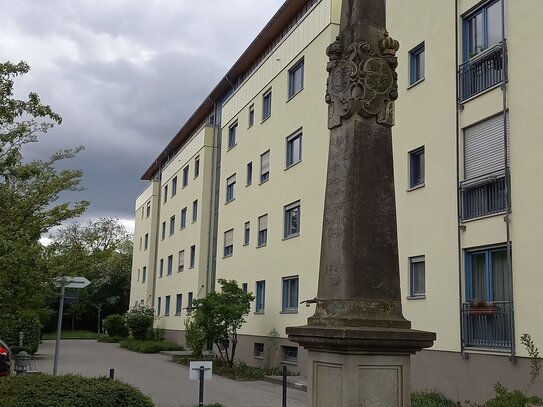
column 467, row 215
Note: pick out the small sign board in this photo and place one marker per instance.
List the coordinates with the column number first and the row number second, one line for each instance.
column 71, row 282
column 194, row 370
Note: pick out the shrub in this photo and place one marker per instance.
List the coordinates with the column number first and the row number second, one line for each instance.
column 432, row 398
column 149, row 346
column 140, row 321
column 194, row 337
column 515, row 398
column 109, row 339
column 69, row 391
column 115, row 325
column 26, row 322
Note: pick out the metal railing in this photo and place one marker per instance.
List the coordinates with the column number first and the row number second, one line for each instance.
column 487, row 326
column 483, row 196
column 481, row 72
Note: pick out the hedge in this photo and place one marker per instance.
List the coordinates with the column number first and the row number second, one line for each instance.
column 150, row 346
column 433, row 398
column 26, row 322
column 69, row 391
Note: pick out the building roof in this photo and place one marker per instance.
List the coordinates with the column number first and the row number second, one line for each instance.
column 287, row 12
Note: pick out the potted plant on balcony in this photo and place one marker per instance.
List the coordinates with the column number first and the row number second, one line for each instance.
column 479, row 307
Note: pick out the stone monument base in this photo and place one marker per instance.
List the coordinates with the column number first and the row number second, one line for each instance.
column 359, row 366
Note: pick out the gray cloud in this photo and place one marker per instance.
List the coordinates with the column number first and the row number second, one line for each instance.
column 124, row 75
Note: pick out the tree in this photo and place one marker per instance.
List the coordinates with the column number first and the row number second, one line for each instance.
column 29, row 194
column 221, row 314
column 100, row 250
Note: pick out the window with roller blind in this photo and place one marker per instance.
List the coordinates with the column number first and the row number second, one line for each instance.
column 229, row 243
column 265, row 167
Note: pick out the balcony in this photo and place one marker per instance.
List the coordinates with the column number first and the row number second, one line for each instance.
column 483, row 196
column 480, row 73
column 489, row 326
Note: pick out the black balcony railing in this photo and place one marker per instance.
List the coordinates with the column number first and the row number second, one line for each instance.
column 481, row 72
column 487, row 326
column 483, row 196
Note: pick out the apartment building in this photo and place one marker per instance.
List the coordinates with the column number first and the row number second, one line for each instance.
column 466, row 161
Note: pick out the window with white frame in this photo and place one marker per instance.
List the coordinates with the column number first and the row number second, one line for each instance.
column 416, row 167
column 181, row 265
column 482, row 28
column 263, row 230
column 232, row 130
column 266, row 105
column 185, row 176
column 260, row 297
column 265, row 166
column 247, row 233
column 290, row 294
column 230, row 187
column 192, row 256
column 183, row 218
column 229, row 243
column 172, row 225
column 296, row 79
column 417, row 276
column 294, row 149
column 292, row 220
column 195, row 211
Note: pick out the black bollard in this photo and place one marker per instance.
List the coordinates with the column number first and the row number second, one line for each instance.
column 284, row 386
column 201, row 395
column 112, row 374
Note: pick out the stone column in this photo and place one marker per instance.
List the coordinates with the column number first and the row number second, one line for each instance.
column 359, row 343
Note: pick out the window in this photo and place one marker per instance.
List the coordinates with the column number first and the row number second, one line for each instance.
column 229, row 243
column 139, row 274
column 294, row 149
column 251, row 115
column 142, row 212
column 260, row 296
column 232, row 130
column 482, row 29
column 185, row 176
column 417, row 277
column 259, row 350
column 181, row 265
column 159, row 305
column 165, row 198
column 290, row 354
column 167, row 306
column 140, row 242
column 174, row 186
column 172, row 225
column 146, row 241
column 144, row 274
column 244, row 288
column 483, row 191
column 192, row 256
column 178, row 304
column 266, row 105
column 416, row 167
column 292, row 220
column 296, row 79
column 189, row 302
column 416, row 64
column 196, row 167
column 487, row 278
column 163, row 230
column 161, row 268
column 195, row 211
column 263, row 230
column 148, row 210
column 230, row 185
column 290, row 294
column 170, row 264
column 265, row 166
column 183, row 218
column 249, row 173
column 247, row 233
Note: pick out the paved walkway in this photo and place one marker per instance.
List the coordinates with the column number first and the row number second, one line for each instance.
column 157, row 376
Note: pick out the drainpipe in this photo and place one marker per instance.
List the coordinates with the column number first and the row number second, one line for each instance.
column 159, row 204
column 507, row 217
column 458, row 192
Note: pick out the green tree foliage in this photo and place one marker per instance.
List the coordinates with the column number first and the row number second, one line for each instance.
column 29, row 193
column 221, row 314
column 140, row 322
column 26, row 322
column 115, row 325
column 101, row 251
column 194, row 338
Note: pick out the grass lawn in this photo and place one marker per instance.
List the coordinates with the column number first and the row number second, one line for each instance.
column 72, row 335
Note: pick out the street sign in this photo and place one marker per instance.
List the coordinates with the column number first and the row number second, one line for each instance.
column 194, row 370
column 71, row 282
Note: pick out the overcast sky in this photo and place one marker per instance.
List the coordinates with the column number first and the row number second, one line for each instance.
column 124, row 75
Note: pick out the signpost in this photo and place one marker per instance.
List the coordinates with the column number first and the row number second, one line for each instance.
column 201, row 371
column 65, row 282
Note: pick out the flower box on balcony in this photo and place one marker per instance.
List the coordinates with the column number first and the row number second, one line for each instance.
column 482, row 308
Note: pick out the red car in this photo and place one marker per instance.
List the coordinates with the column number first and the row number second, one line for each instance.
column 5, row 359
